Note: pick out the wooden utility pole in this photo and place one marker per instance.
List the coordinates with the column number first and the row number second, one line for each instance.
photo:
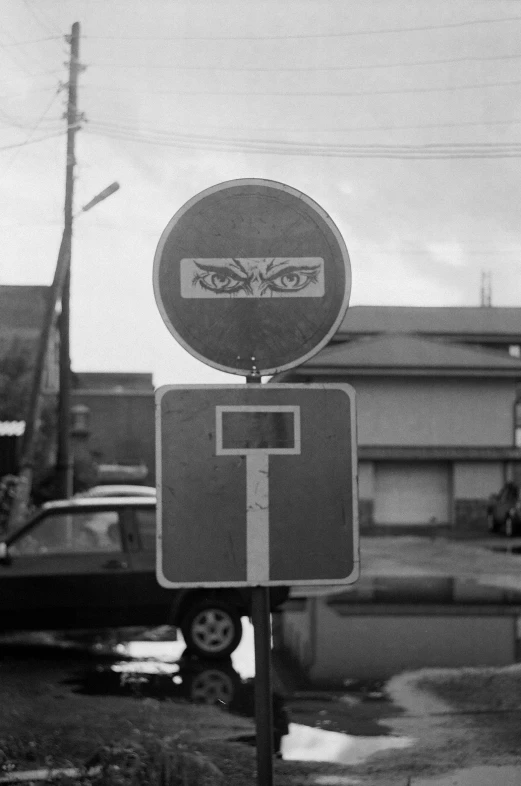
column 64, row 466
column 56, row 292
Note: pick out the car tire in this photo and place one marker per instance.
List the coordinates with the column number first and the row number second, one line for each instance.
column 509, row 527
column 212, row 629
column 213, row 685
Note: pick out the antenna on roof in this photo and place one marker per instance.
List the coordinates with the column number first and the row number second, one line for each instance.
column 486, row 288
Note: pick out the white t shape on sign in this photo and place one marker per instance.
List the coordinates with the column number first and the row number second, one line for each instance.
column 257, row 432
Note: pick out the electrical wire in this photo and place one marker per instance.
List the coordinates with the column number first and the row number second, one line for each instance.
column 307, row 69
column 201, row 138
column 31, row 142
column 433, row 151
column 299, row 36
column 34, row 41
column 342, row 129
column 27, row 92
column 38, row 17
column 307, row 94
column 29, row 138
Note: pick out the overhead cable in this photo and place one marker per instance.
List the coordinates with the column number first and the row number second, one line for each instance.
column 474, row 150
column 306, row 94
column 32, row 141
column 298, row 36
column 306, row 69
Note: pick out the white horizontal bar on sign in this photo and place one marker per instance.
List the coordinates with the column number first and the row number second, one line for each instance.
column 252, row 277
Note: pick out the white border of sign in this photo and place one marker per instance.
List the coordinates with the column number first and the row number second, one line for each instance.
column 281, row 187
column 355, row 573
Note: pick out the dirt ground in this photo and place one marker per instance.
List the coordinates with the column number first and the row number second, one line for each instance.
column 454, row 719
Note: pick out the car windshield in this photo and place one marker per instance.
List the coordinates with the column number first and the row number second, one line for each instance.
column 63, row 533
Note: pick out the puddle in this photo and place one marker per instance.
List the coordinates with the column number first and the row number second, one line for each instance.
column 304, row 743
column 507, row 549
column 475, row 776
column 243, row 660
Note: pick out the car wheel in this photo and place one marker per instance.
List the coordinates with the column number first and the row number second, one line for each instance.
column 509, row 527
column 212, row 686
column 212, row 628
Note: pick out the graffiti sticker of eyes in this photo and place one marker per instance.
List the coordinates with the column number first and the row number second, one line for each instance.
column 292, row 278
column 251, row 277
column 219, row 279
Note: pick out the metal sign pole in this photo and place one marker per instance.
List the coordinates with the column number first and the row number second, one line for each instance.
column 260, row 612
column 263, row 698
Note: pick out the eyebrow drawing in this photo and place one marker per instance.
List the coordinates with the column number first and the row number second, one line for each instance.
column 253, row 277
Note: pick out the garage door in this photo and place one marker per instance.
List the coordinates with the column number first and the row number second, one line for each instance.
column 412, row 493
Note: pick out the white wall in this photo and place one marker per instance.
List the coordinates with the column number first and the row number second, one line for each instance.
column 429, row 412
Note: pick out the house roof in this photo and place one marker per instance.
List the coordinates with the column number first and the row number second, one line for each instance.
column 401, row 354
column 22, row 308
column 113, row 380
column 464, row 321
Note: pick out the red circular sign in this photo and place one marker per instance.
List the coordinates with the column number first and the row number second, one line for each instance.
column 252, row 277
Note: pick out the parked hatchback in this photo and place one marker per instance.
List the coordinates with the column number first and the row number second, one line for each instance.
column 90, row 563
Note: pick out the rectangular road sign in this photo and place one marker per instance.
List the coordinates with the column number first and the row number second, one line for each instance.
column 256, row 485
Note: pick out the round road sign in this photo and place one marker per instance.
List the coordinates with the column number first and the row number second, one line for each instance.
column 252, row 277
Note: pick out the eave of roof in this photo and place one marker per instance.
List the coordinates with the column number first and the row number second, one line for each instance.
column 406, row 355
column 493, row 322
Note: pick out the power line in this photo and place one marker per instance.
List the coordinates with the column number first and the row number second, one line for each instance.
column 342, row 129
column 15, row 60
column 27, row 92
column 33, row 141
column 299, row 36
column 306, row 69
column 34, row 41
column 475, row 150
column 182, row 136
column 38, row 17
column 25, row 55
column 28, row 139
column 337, row 129
column 307, row 94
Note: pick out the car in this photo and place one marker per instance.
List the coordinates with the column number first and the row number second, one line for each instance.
column 118, row 490
column 89, row 563
column 504, row 511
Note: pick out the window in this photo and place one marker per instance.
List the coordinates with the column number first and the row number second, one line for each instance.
column 146, row 524
column 67, row 533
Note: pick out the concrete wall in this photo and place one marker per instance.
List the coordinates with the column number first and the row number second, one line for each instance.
column 122, row 428
column 366, row 480
column 477, row 479
column 431, row 412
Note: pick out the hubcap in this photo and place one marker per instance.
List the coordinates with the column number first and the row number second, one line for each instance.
column 212, row 687
column 213, row 630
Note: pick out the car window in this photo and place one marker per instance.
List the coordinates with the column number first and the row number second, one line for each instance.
column 146, row 524
column 66, row 533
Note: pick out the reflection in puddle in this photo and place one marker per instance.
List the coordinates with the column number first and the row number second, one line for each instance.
column 243, row 659
column 476, row 776
column 304, row 743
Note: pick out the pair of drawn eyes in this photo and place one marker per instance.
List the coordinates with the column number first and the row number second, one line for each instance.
column 227, row 282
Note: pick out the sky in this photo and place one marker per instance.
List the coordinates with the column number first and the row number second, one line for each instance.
column 401, row 119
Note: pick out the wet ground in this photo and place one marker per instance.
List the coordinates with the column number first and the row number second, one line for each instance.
column 343, row 726
column 368, row 709
column 338, row 726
